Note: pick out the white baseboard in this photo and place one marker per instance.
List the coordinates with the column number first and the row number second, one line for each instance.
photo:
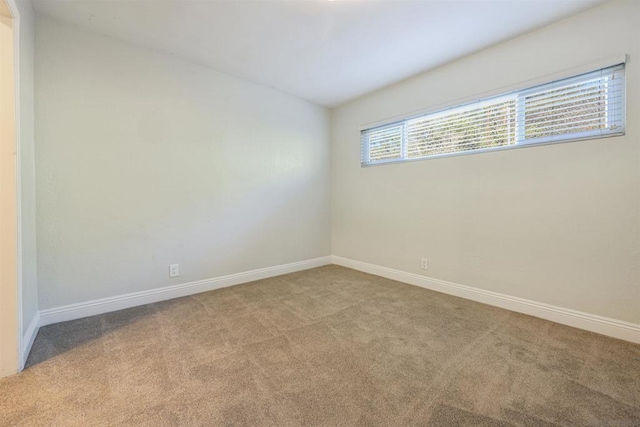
column 28, row 339
column 606, row 326
column 120, row 302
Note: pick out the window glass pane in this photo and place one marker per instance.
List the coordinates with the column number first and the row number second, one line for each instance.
column 570, row 109
column 385, row 144
column 492, row 125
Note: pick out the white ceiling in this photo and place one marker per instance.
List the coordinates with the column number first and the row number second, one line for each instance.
column 325, row 51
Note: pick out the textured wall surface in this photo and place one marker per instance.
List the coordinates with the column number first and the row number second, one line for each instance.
column 558, row 224
column 145, row 161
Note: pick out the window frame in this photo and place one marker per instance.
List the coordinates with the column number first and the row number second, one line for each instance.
column 519, row 96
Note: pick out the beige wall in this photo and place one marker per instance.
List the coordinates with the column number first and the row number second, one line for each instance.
column 145, row 161
column 9, row 342
column 557, row 224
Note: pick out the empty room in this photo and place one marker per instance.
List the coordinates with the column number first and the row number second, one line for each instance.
column 319, row 212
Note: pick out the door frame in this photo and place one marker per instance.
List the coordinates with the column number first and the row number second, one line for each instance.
column 16, row 206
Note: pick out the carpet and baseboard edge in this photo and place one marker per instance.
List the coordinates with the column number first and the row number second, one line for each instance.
column 606, row 326
column 602, row 325
column 120, row 302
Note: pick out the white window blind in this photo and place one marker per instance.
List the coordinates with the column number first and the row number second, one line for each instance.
column 587, row 106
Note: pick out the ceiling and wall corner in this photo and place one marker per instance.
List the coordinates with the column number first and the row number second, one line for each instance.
column 328, row 52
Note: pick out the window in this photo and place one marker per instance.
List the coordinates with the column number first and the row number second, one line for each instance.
column 587, row 106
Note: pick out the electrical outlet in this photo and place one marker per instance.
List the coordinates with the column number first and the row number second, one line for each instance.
column 424, row 264
column 174, row 270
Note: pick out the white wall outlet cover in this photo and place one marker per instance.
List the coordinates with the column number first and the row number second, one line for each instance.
column 174, row 270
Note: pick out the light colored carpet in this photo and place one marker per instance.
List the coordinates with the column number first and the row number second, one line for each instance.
column 328, row 346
